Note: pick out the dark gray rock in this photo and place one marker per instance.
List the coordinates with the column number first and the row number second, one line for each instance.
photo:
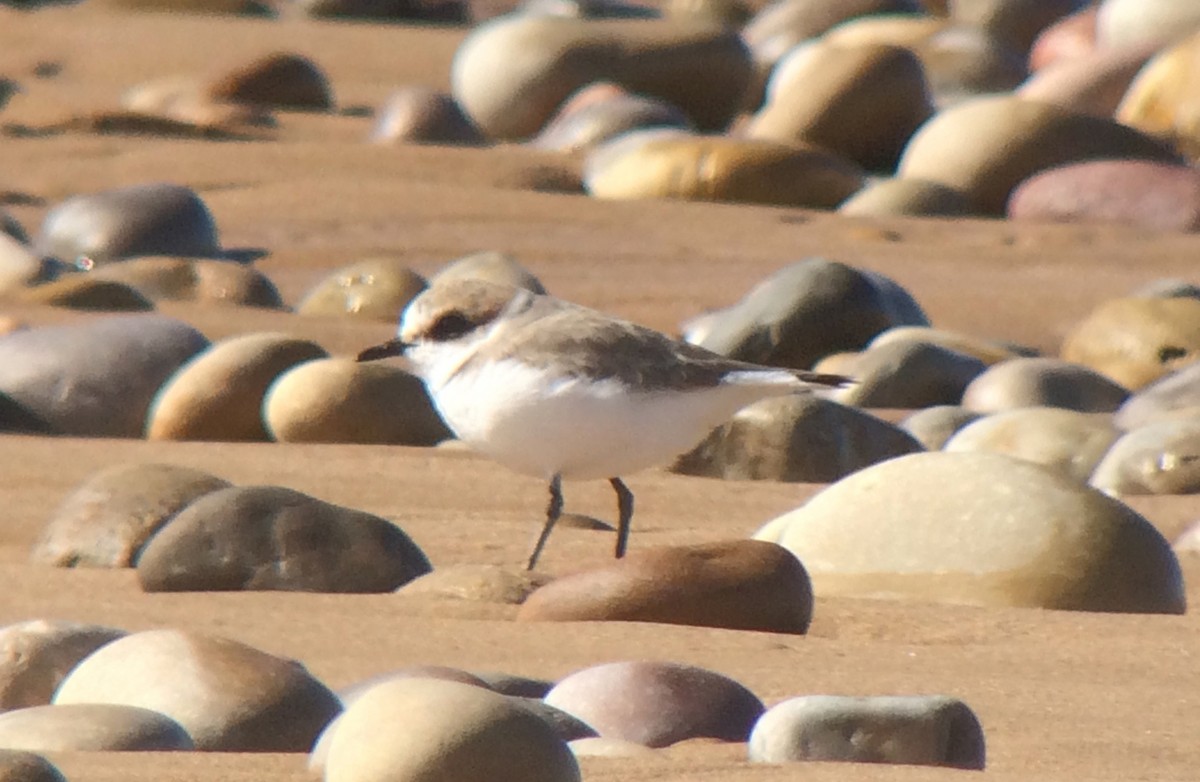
column 273, row 538
column 128, row 222
column 94, row 378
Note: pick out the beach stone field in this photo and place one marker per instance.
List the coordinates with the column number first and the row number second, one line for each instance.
column 231, row 551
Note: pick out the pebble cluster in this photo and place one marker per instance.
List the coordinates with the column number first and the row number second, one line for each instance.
column 960, row 469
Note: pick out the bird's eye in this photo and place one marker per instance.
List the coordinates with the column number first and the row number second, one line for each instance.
column 450, row 326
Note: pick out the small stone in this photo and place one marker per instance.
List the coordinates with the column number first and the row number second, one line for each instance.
column 271, row 538
column 338, row 400
column 218, row 395
column 20, row 766
column 720, row 168
column 1158, row 196
column 796, row 438
column 1042, row 382
column 657, row 704
column 152, row 219
column 477, row 583
column 84, row 292
column 980, row 529
column 35, row 657
column 107, row 520
column 489, row 266
column 422, row 115
column 933, row 426
column 808, row 310
column 861, row 102
column 916, row 197
column 740, row 585
column 922, row 730
column 95, row 378
column 377, row 288
column 281, row 80
column 1067, row 441
column 1137, row 340
column 512, row 73
column 438, row 730
column 186, row 279
column 987, row 351
column 91, row 727
column 1159, row 458
column 228, row 696
column 909, row 374
column 985, row 147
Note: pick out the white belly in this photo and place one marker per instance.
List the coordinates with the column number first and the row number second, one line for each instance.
column 578, row 429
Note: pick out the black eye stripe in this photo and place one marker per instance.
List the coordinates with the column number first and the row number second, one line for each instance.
column 449, row 326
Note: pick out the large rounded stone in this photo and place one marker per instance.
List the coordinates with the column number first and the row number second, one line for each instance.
column 720, row 168
column 36, row 656
column 281, row 80
column 1070, row 442
column 153, row 219
column 441, row 731
column 1135, row 341
column 219, row 394
column 861, row 102
column 1164, row 98
column 229, row 697
column 657, row 704
column 91, row 727
column 1160, row 458
column 272, row 538
column 603, row 111
column 489, row 266
column 95, row 378
column 422, row 115
column 909, row 374
column 809, row 310
column 796, row 438
column 511, row 73
column 1158, row 196
column 377, row 288
column 923, row 730
column 21, row 766
column 934, row 426
column 741, row 585
column 981, row 529
column 1173, row 398
column 1126, row 22
column 916, row 197
column 184, row 279
column 784, row 23
column 985, row 147
column 1042, row 382
column 338, row 400
column 107, row 520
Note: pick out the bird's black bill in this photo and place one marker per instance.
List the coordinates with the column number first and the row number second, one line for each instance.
column 393, row 347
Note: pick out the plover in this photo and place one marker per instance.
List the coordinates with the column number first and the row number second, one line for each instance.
column 563, row 392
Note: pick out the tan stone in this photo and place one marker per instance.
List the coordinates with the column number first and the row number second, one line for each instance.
column 985, row 147
column 1164, row 98
column 1158, row 458
column 724, row 169
column 84, row 292
column 1070, row 442
column 511, row 73
column 916, row 197
column 378, row 288
column 981, row 529
column 91, row 727
column 1135, row 341
column 185, row 279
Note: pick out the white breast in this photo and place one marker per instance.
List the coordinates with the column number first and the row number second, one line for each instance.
column 541, row 424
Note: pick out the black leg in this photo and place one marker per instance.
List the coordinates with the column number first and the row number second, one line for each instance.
column 553, row 511
column 625, row 511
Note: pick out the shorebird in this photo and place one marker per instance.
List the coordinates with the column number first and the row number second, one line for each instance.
column 562, row 392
